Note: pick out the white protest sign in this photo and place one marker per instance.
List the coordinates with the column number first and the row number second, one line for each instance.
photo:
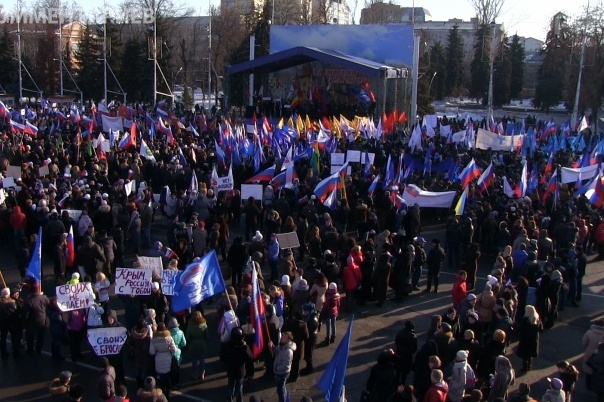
column 371, row 157
column 130, row 187
column 353, row 156
column 223, row 184
column 74, row 214
column 43, row 171
column 156, row 197
column 168, row 277
column 133, row 281
column 75, row 296
column 152, row 263
column 13, row 171
column 107, row 341
column 288, row 240
column 8, row 182
column 337, row 158
column 251, row 190
column 335, row 169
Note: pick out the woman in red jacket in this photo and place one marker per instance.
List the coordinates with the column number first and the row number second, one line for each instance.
column 18, row 222
column 352, row 279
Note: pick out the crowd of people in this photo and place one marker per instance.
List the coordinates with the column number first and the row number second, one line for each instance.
column 364, row 246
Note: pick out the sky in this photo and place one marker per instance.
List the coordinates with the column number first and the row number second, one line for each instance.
column 528, row 18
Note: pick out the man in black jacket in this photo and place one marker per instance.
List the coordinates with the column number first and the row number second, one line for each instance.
column 234, row 356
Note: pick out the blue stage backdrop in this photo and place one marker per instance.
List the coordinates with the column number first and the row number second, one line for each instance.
column 390, row 44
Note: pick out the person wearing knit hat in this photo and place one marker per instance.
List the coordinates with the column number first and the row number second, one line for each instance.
column 555, row 392
column 462, row 377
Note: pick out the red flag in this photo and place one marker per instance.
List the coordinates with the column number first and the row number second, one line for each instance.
column 257, row 313
column 402, row 119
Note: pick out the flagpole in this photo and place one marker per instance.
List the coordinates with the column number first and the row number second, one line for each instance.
column 2, row 278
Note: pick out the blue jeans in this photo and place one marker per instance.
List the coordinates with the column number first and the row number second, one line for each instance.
column 235, row 389
column 281, row 390
column 330, row 325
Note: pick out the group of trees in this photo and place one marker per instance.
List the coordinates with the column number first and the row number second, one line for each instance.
column 559, row 71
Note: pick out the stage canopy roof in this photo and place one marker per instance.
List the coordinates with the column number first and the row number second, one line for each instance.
column 300, row 55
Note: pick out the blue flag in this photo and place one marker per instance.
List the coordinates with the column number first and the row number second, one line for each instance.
column 332, row 380
column 34, row 270
column 200, row 280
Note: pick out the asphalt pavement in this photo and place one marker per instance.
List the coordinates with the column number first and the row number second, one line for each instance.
column 27, row 378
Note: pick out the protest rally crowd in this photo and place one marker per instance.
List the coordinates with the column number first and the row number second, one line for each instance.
column 353, row 234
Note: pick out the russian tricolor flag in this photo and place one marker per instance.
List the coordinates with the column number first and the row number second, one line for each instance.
column 327, row 185
column 126, row 141
column 469, row 173
column 486, row 178
column 70, row 249
column 257, row 312
column 30, row 129
column 520, row 189
column 264, row 176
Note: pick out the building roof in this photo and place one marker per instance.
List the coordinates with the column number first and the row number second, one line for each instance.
column 300, row 55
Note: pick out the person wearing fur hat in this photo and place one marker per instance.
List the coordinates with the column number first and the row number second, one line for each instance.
column 149, row 393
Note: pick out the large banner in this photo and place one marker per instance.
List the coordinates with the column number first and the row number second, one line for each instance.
column 133, row 281
column 428, row 199
column 112, row 124
column 570, row 175
column 488, row 140
column 75, row 296
column 107, row 341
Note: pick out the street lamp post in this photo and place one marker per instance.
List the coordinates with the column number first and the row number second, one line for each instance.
column 430, row 86
column 491, row 71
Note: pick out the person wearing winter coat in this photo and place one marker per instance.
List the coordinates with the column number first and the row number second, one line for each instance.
column 148, row 393
column 381, row 274
column 504, row 377
column 91, row 256
column 180, row 342
column 283, row 357
column 434, row 263
column 489, row 353
column 461, row 375
column 34, row 314
column 197, row 340
column 591, row 339
column 162, row 347
column 94, row 316
column 405, row 347
column 330, row 311
column 138, row 349
column 106, row 384
column 10, row 319
column 76, row 328
column 18, row 221
column 439, row 389
column 484, row 306
column 382, row 381
column 459, row 293
column 235, row 355
column 425, row 361
column 109, row 249
column 351, row 279
column 555, row 393
column 134, row 231
column 529, row 327
column 300, row 336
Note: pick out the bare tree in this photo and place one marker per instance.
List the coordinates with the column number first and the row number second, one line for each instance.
column 322, row 11
column 354, row 10
column 288, row 12
column 487, row 11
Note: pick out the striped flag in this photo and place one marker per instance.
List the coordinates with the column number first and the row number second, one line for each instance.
column 256, row 312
